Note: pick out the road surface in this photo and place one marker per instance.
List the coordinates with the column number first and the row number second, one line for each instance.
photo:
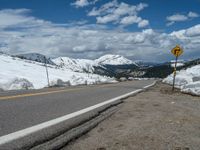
column 23, row 109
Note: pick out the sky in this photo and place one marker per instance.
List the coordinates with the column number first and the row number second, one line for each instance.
column 139, row 30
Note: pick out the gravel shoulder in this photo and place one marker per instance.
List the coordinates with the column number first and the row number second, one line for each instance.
column 157, row 119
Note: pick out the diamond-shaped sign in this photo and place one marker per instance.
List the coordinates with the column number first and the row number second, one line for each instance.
column 177, row 51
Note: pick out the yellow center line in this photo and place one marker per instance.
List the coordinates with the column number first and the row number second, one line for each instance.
column 35, row 94
column 43, row 93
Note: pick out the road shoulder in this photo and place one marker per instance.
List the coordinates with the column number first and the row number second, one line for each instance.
column 155, row 119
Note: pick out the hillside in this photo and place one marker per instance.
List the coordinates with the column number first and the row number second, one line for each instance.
column 18, row 73
column 107, row 65
column 112, row 65
column 35, row 57
column 77, row 65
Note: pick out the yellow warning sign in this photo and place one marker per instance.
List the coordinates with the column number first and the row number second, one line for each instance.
column 177, row 51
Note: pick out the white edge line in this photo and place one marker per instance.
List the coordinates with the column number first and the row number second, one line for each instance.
column 24, row 132
column 150, row 85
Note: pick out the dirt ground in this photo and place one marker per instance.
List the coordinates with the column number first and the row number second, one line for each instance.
column 157, row 119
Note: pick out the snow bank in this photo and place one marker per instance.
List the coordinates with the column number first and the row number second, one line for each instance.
column 17, row 73
column 17, row 83
column 187, row 80
column 193, row 88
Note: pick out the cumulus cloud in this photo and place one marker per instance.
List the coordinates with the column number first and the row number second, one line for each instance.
column 119, row 13
column 82, row 41
column 193, row 14
column 83, row 3
column 108, row 18
column 177, row 17
column 9, row 17
column 104, row 9
column 143, row 23
column 130, row 20
column 18, row 17
column 180, row 17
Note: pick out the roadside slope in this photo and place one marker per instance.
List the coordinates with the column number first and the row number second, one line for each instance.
column 156, row 119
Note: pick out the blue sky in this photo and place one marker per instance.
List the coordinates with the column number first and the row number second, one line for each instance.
column 91, row 28
column 61, row 11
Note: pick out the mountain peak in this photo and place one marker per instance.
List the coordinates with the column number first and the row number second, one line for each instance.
column 36, row 57
column 111, row 59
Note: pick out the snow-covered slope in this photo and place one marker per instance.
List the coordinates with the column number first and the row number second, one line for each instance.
column 77, row 65
column 85, row 65
column 36, row 57
column 114, row 60
column 18, row 73
column 187, row 80
column 179, row 63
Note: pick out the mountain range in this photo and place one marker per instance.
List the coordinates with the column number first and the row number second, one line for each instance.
column 101, row 65
column 110, row 65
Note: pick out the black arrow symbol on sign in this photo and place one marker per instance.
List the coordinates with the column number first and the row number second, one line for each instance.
column 177, row 51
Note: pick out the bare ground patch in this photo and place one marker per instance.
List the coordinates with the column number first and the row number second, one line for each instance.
column 157, row 119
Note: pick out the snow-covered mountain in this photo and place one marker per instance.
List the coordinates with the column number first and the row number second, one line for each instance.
column 187, row 80
column 114, row 60
column 107, row 65
column 86, row 65
column 77, row 65
column 36, row 57
column 146, row 63
column 18, row 73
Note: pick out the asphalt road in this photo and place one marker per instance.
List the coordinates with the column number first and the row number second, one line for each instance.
column 23, row 109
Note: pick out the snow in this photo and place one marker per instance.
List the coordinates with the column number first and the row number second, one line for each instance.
column 18, row 73
column 77, row 65
column 114, row 60
column 36, row 57
column 18, row 83
column 86, row 65
column 187, row 80
column 178, row 64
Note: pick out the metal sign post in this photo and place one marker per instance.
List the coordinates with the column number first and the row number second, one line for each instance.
column 174, row 73
column 47, row 71
column 176, row 51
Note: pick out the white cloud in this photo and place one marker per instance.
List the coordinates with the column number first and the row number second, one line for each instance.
column 170, row 23
column 193, row 14
column 83, row 3
column 130, row 20
column 134, row 19
column 9, row 17
column 91, row 41
column 138, row 38
column 124, row 9
column 177, row 17
column 104, row 9
column 180, row 17
column 17, row 17
column 193, row 31
column 80, row 3
column 143, row 23
column 107, row 18
column 80, row 48
column 141, row 6
column 119, row 13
